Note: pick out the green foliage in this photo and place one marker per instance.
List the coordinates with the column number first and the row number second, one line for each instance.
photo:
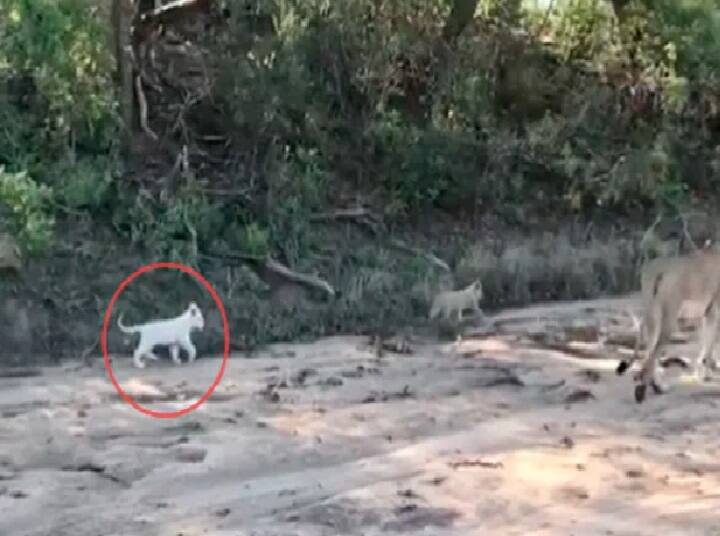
column 693, row 28
column 57, row 109
column 84, row 183
column 62, row 46
column 28, row 203
column 296, row 191
column 425, row 167
column 255, row 241
column 173, row 227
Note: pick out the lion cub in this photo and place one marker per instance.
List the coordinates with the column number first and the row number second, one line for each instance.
column 171, row 332
column 668, row 284
column 451, row 301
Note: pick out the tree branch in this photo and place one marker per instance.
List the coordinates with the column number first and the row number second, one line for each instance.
column 277, row 268
column 433, row 259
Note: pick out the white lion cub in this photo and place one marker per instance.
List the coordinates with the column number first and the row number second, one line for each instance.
column 457, row 300
column 172, row 332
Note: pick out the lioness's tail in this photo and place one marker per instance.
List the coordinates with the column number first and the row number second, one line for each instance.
column 124, row 328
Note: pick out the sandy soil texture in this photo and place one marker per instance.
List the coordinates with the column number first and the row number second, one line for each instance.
column 522, row 428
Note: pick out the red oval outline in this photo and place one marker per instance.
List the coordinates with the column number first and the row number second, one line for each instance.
column 106, row 323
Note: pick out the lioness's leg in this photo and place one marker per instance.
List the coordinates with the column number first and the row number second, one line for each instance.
column 643, row 329
column 710, row 322
column 646, row 374
column 664, row 315
column 713, row 360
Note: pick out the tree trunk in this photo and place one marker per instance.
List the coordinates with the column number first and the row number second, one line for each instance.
column 461, row 14
column 121, row 19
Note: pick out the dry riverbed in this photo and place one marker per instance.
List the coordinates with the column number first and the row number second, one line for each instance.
column 522, row 428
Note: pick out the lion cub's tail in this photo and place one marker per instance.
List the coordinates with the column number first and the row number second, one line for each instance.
column 124, row 328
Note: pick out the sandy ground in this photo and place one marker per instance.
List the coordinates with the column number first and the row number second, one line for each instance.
column 517, row 431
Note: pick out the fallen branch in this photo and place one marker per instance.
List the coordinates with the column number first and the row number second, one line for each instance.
column 20, row 372
column 172, row 11
column 233, row 257
column 358, row 215
column 433, row 259
column 277, row 268
column 352, row 213
column 308, row 280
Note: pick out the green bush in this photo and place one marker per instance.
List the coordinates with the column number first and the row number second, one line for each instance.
column 60, row 49
column 29, row 209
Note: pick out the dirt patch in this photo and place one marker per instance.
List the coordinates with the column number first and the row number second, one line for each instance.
column 494, row 434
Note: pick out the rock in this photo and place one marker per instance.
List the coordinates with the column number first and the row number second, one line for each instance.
column 189, row 454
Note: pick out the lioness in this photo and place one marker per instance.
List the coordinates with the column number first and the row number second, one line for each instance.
column 666, row 285
column 648, row 275
column 451, row 301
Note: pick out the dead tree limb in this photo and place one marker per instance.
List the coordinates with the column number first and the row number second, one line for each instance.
column 277, row 268
column 352, row 213
column 305, row 279
column 172, row 11
column 358, row 215
column 20, row 372
column 142, row 101
column 365, row 217
column 433, row 259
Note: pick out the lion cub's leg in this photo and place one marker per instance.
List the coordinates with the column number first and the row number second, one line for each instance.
column 477, row 311
column 175, row 353
column 189, row 347
column 137, row 358
column 143, row 350
column 140, row 353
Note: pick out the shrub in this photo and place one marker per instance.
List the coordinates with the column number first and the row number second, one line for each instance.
column 30, row 211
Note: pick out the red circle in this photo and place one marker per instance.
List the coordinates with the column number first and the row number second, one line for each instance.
column 106, row 324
